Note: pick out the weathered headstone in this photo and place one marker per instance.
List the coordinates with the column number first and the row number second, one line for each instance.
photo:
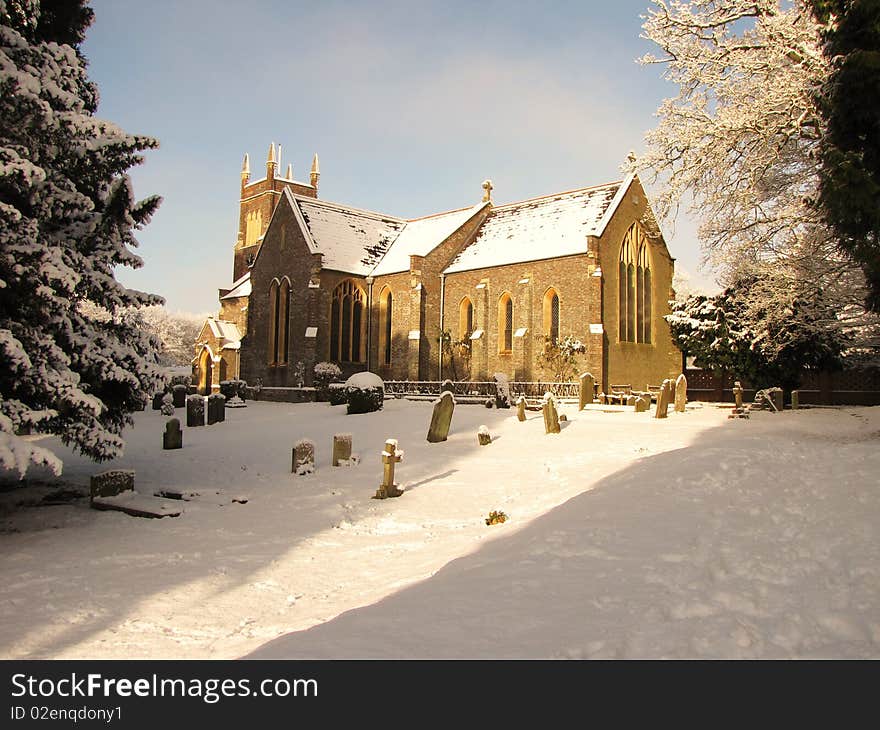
column 586, row 385
column 390, row 456
column 502, row 391
column 663, row 399
column 795, row 400
column 157, row 401
column 681, row 387
column 562, row 418
column 602, row 398
column 195, row 411
column 441, row 418
column 341, row 449
column 769, row 398
column 642, row 404
column 447, row 385
column 483, row 436
column 738, row 395
column 303, row 457
column 521, row 408
column 551, row 416
column 216, row 408
column 179, row 395
column 173, row 436
column 111, row 482
column 167, row 408
column 776, row 398
column 631, row 399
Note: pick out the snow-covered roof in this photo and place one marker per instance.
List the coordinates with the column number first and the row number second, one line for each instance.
column 540, row 228
column 350, row 239
column 421, row 236
column 240, row 288
column 224, row 330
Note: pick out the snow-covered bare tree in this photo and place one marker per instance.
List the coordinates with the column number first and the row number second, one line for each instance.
column 67, row 219
column 176, row 331
column 743, row 137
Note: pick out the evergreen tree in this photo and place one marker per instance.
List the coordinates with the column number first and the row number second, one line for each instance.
column 850, row 105
column 67, row 219
column 736, row 332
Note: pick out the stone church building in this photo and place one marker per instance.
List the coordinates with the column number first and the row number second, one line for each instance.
column 320, row 281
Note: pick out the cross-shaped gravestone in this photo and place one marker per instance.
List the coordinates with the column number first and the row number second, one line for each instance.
column 390, row 457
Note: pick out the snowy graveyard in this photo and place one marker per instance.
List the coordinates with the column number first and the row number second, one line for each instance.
column 626, row 536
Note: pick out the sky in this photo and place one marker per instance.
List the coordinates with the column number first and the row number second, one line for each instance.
column 409, row 105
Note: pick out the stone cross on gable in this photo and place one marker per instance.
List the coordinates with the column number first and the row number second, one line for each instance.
column 487, row 190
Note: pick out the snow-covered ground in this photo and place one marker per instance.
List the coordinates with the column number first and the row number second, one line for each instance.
column 628, row 537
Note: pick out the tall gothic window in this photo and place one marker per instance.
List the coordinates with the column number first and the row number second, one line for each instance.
column 634, row 288
column 346, row 323
column 465, row 318
column 279, row 322
column 505, row 323
column 386, row 305
column 551, row 315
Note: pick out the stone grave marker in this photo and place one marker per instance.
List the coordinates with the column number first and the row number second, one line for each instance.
column 179, row 396
column 586, row 385
column 738, row 395
column 341, row 449
column 195, row 411
column 447, row 384
column 167, row 405
column 173, row 436
column 303, row 457
column 390, row 456
column 681, row 387
column 502, row 391
column 483, row 436
column 663, row 398
column 441, row 418
column 551, row 416
column 631, row 399
column 216, row 408
column 795, row 400
column 521, row 408
column 110, row 483
column 642, row 404
column 157, row 401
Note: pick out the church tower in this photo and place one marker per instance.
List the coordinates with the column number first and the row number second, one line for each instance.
column 257, row 202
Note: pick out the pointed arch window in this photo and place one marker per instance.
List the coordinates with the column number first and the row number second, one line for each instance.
column 347, row 323
column 551, row 315
column 279, row 322
column 465, row 318
column 634, row 287
column 505, row 323
column 386, row 309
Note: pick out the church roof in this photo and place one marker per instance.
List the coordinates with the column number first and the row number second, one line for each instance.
column 240, row 288
column 421, row 236
column 349, row 239
column 540, row 228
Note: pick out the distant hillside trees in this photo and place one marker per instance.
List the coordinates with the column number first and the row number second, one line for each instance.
column 68, row 218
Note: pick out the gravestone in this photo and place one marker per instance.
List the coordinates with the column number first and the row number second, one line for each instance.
column 602, row 398
column 167, row 405
column 341, row 449
column 216, row 408
column 776, row 398
column 563, row 418
column 483, row 436
column 303, row 457
column 179, row 396
column 390, row 456
column 110, row 483
column 551, row 416
column 447, row 385
column 663, row 399
column 795, row 400
column 631, row 399
column 642, row 404
column 157, row 401
column 173, row 436
column 195, row 411
column 521, row 408
column 441, row 418
column 738, row 396
column 587, row 384
column 502, row 391
column 681, row 387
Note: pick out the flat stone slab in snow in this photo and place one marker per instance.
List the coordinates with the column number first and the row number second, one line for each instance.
column 138, row 505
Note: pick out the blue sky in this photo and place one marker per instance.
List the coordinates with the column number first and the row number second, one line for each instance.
column 410, row 106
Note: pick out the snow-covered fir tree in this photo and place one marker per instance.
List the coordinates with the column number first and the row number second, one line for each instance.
column 67, row 219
